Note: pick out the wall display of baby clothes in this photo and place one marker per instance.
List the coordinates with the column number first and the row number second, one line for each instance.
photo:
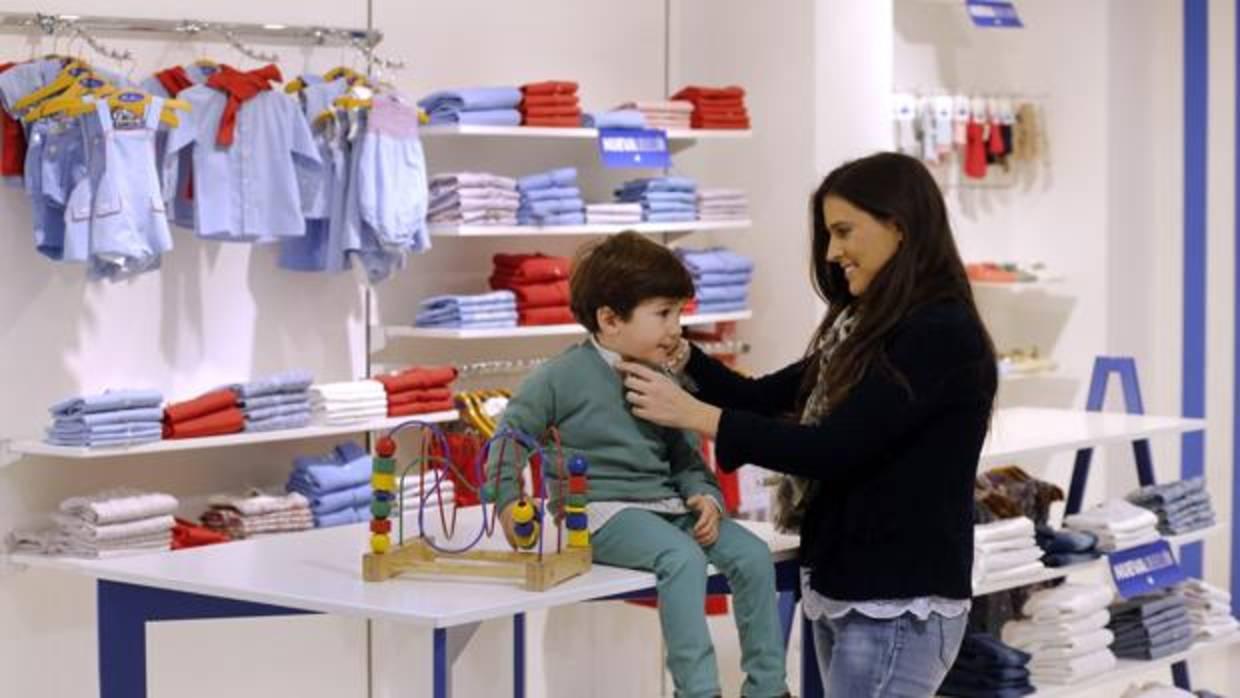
column 974, row 134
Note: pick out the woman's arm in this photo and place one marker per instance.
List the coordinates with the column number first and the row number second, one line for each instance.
column 939, row 361
column 772, row 394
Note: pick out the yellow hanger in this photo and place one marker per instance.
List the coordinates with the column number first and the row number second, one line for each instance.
column 68, row 75
column 136, row 103
column 295, row 85
column 344, row 72
column 68, row 98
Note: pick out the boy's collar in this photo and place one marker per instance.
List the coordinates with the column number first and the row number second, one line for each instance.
column 612, row 358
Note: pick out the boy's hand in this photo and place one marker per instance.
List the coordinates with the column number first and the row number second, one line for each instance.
column 706, row 530
column 506, row 523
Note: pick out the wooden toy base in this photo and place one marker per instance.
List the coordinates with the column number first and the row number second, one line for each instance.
column 539, row 575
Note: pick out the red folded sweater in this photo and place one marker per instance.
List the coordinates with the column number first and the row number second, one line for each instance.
column 551, row 112
column 550, row 87
column 561, row 315
column 530, row 268
column 535, row 295
column 406, row 397
column 530, row 101
column 557, row 121
column 226, row 421
column 200, row 406
column 695, row 92
column 720, row 113
column 189, row 535
column 420, row 408
column 719, row 123
column 417, row 378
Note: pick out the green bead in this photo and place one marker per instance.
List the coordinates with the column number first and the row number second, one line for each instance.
column 387, row 466
column 576, row 500
column 380, row 509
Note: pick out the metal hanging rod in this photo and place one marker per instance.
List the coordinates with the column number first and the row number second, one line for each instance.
column 268, row 33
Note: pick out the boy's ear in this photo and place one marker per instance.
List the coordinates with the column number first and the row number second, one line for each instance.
column 608, row 320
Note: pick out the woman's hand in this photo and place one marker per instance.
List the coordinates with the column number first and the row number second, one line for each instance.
column 658, row 399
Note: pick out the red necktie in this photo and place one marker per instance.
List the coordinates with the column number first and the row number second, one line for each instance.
column 240, row 86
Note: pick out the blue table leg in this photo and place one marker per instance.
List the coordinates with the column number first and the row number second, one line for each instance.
column 1179, row 676
column 518, row 655
column 442, row 680
column 125, row 609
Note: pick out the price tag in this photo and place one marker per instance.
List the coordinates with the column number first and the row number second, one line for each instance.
column 624, row 147
column 1145, row 569
column 993, row 14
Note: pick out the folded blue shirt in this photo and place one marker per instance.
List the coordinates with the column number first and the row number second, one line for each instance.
column 141, row 414
column 668, row 207
column 352, row 498
column 714, row 259
column 669, row 216
column 471, row 99
column 425, row 318
column 286, row 382
column 484, row 117
column 559, row 177
column 107, row 402
column 566, row 218
column 495, row 299
column 66, row 429
column 711, row 294
column 670, row 183
column 288, row 421
column 722, row 278
column 288, row 410
column 619, row 118
column 551, row 193
column 721, row 307
column 343, row 517
column 329, row 477
column 290, row 398
column 468, row 324
column 550, row 207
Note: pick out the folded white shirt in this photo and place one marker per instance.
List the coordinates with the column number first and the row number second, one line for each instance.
column 1019, row 527
column 1004, row 546
column 115, row 506
column 1113, row 516
column 1023, row 634
column 138, row 528
column 1075, row 646
column 1014, row 574
column 1072, row 670
column 999, row 562
column 1067, row 601
column 257, row 503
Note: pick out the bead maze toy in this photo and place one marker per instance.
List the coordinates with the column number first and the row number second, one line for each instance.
column 539, row 568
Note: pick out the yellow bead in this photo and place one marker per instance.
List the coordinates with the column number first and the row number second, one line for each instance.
column 380, row 543
column 579, row 539
column 383, row 482
column 574, row 510
column 522, row 511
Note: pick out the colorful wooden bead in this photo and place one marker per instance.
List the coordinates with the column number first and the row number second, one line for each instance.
column 381, row 526
column 382, row 482
column 579, row 539
column 578, row 484
column 381, row 509
column 384, row 465
column 380, row 543
column 385, row 447
column 381, row 496
column 576, row 522
column 577, row 465
column 576, row 501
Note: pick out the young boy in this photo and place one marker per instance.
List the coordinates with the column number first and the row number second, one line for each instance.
column 652, row 503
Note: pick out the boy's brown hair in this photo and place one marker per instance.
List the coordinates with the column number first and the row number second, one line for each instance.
column 622, row 271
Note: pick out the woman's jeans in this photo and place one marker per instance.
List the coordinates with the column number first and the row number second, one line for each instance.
column 862, row 657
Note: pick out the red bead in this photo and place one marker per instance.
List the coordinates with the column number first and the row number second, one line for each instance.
column 386, row 447
column 578, row 484
column 381, row 526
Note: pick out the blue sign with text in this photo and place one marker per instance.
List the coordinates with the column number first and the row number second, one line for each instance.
column 627, row 147
column 993, row 13
column 1145, row 569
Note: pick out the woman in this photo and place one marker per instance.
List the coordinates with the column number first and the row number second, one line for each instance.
column 884, row 419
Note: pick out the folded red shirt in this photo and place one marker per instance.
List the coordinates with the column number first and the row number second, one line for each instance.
column 549, row 101
column 719, row 123
column 420, row 408
column 406, row 397
column 530, row 268
column 721, row 113
column 189, row 535
column 535, row 295
column 417, row 378
column 200, row 406
column 561, row 315
column 226, row 421
column 557, row 121
column 550, row 87
column 552, row 112
column 694, row 92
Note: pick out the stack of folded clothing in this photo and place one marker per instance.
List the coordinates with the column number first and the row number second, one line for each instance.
column 664, row 115
column 489, row 106
column 1067, row 633
column 1151, row 626
column 1209, row 608
column 209, row 414
column 336, row 484
column 551, row 198
column 107, row 524
column 1005, row 552
column 1066, row 547
column 1117, row 524
column 617, row 118
column 720, row 277
column 473, row 198
column 255, row 513
column 348, row 402
column 419, row 390
column 478, row 311
column 1181, row 506
column 112, row 418
column 550, row 103
column 539, row 284
column 281, row 401
column 613, row 214
column 716, row 107
column 663, row 199
column 987, row 668
column 722, row 205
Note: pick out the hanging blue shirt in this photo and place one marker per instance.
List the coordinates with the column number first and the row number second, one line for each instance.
column 254, row 190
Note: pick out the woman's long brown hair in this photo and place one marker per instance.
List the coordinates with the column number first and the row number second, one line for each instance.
column 898, row 190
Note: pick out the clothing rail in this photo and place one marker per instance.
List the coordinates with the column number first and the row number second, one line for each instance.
column 87, row 27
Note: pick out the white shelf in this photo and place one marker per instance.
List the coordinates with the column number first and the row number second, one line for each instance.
column 1020, row 432
column 479, row 231
column 537, row 330
column 1094, row 565
column 38, row 448
column 1128, row 669
column 691, row 134
column 1039, row 285
column 1016, row 376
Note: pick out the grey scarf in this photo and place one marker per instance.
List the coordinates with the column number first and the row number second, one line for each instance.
column 792, row 493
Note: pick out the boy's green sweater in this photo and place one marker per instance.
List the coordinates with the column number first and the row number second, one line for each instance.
column 630, row 459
